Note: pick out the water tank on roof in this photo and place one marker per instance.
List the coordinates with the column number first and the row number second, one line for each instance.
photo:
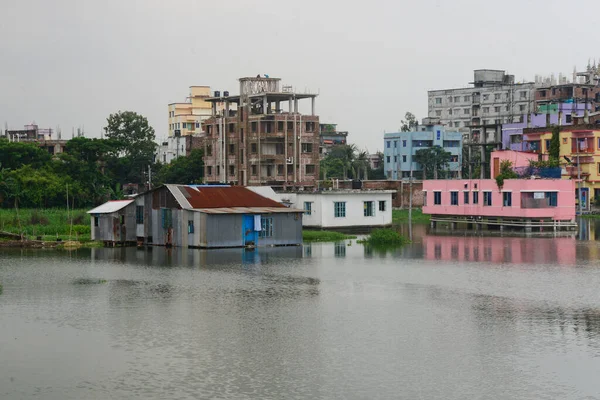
column 217, row 93
column 226, row 93
column 356, row 184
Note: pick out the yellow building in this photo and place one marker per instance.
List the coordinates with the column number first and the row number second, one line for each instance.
column 579, row 153
column 186, row 118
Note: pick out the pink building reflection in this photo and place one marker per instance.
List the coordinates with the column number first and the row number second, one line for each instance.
column 500, row 249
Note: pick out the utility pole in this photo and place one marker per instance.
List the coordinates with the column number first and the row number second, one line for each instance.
column 410, row 203
column 579, row 178
column 149, row 178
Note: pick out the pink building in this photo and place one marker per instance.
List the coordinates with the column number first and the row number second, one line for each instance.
column 519, row 202
column 519, row 159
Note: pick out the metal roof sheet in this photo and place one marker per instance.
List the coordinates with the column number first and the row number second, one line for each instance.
column 110, row 207
column 248, row 210
column 221, row 197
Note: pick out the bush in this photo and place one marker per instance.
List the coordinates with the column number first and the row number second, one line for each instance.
column 324, row 236
column 386, row 237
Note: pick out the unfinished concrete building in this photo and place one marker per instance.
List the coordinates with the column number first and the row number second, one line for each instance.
column 259, row 137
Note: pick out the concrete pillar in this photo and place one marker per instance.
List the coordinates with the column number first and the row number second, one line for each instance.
column 296, row 105
column 312, row 106
column 265, row 104
column 290, row 105
column 453, row 226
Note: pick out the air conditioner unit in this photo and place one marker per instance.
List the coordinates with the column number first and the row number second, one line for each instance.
column 289, row 160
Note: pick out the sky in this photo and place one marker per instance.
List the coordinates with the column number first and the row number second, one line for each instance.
column 71, row 63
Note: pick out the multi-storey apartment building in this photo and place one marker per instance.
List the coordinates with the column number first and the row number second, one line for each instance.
column 186, row 118
column 493, row 99
column 260, row 137
column 400, row 148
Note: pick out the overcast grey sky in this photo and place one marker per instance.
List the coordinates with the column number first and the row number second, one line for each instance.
column 73, row 62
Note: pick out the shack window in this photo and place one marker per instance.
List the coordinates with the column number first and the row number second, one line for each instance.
column 382, row 205
column 437, row 198
column 339, row 209
column 139, row 214
column 369, row 208
column 191, row 226
column 96, row 221
column 266, row 225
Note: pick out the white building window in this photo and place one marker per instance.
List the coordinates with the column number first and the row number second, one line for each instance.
column 456, row 99
column 467, row 98
column 339, row 209
column 486, row 96
column 497, row 96
column 486, row 110
column 438, row 100
column 438, row 113
column 308, row 207
column 523, row 95
column 266, row 225
column 466, row 111
column 382, row 205
column 497, row 109
column 369, row 208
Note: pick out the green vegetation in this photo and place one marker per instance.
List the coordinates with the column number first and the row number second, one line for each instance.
column 506, row 172
column 347, row 162
column 434, row 160
column 385, row 238
column 50, row 224
column 555, row 144
column 325, row 236
column 401, row 216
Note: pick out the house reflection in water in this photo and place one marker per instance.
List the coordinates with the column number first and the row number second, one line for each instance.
column 500, row 249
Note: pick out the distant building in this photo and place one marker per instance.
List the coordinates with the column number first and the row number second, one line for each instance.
column 186, row 118
column 46, row 139
column 177, row 146
column 374, row 161
column 330, row 137
column 400, row 148
column 259, row 137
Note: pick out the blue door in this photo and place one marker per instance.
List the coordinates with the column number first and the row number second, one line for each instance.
column 248, row 233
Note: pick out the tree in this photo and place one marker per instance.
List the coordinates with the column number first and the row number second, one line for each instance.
column 135, row 142
column 506, row 172
column 183, row 170
column 361, row 164
column 346, row 153
column 379, row 172
column 408, row 123
column 555, row 143
column 434, row 161
column 14, row 155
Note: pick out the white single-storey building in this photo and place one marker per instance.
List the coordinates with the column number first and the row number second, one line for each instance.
column 342, row 208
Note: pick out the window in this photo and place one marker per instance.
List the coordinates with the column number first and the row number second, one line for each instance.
column 253, row 148
column 387, row 144
column 454, row 198
column 547, row 144
column 404, row 143
column 403, row 158
column 382, row 205
column 450, row 99
column 456, row 99
column 191, row 226
column 565, row 140
column 486, row 96
column 552, row 199
column 449, row 111
column 437, row 198
column 467, row 98
column 231, row 148
column 279, row 169
column 475, row 197
column 96, row 221
column 209, row 170
column 497, row 109
column 310, row 169
column 497, row 96
column 306, row 148
column 395, row 158
column 456, row 124
column 568, row 118
column 253, row 169
column 438, row 100
column 369, row 208
column 253, row 126
column 209, row 150
column 308, row 207
column 507, row 199
column 290, row 126
column 523, row 95
column 466, row 197
column 424, row 198
column 266, row 227
column 543, row 93
column 486, row 110
column 395, row 143
column 167, row 219
column 339, row 209
column 279, row 126
column 139, row 214
column 387, row 159
column 218, row 170
column 197, row 124
column 487, row 198
column 466, row 111
column 232, row 170
column 310, row 126
column 522, row 107
column 438, row 113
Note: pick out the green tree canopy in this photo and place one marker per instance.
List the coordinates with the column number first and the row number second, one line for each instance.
column 183, row 170
column 14, row 155
column 434, row 161
column 408, row 123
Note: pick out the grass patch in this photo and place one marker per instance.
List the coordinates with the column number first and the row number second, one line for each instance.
column 590, row 216
column 50, row 223
column 400, row 216
column 385, row 238
column 324, row 236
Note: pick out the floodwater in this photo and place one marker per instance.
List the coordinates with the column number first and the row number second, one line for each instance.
column 447, row 317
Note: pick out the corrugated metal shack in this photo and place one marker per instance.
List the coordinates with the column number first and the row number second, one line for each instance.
column 114, row 223
column 216, row 216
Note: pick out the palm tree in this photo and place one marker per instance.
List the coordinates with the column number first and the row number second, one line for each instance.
column 361, row 163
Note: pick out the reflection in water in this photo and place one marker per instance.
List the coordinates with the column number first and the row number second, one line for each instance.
column 340, row 249
column 500, row 249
